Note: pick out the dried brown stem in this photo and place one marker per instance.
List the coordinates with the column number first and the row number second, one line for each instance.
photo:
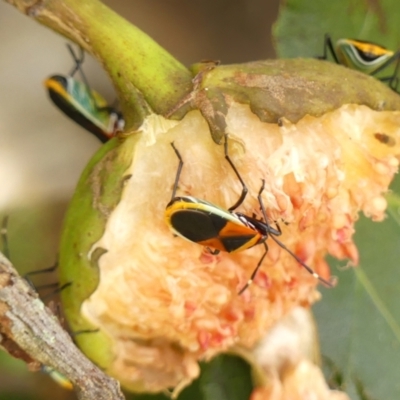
column 29, row 331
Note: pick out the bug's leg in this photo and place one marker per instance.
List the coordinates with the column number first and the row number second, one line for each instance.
column 272, row 233
column 84, row 331
column 213, row 252
column 393, row 79
column 78, row 67
column 328, row 45
column 178, row 171
column 4, row 237
column 28, row 275
column 244, row 187
column 57, row 289
column 262, row 207
column 329, row 283
column 78, row 60
column 278, row 228
column 253, row 275
column 55, row 286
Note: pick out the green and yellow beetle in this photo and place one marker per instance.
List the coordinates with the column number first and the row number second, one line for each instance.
column 82, row 104
column 364, row 56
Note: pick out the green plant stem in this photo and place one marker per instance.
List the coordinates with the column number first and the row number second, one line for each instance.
column 141, row 70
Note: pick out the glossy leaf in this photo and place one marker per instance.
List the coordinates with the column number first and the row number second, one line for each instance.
column 359, row 321
column 223, row 378
column 302, row 24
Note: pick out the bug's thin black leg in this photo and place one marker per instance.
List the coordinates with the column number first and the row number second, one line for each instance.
column 78, row 60
column 178, row 171
column 78, row 67
column 55, row 286
column 309, row 269
column 389, row 61
column 58, row 289
column 393, row 80
column 213, row 252
column 39, row 272
column 244, row 187
column 253, row 275
column 84, row 331
column 328, row 45
column 4, row 237
column 273, row 233
column 264, row 213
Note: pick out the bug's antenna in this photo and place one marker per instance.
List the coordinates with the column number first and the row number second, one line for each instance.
column 244, row 187
column 330, row 283
column 178, row 171
column 250, row 281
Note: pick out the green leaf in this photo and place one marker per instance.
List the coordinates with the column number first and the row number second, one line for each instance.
column 226, row 378
column 223, row 378
column 302, row 24
column 359, row 320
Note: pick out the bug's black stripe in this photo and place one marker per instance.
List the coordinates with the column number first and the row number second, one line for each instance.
column 366, row 56
column 197, row 225
column 75, row 115
column 233, row 243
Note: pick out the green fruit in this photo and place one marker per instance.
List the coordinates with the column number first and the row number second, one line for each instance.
column 161, row 304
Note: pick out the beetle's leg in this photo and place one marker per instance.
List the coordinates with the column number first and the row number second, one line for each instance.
column 393, row 79
column 328, row 45
column 84, row 331
column 55, row 286
column 178, row 171
column 278, row 228
column 244, row 187
column 57, row 289
column 28, row 275
column 78, row 60
column 253, row 275
column 213, row 252
column 78, row 67
column 272, row 233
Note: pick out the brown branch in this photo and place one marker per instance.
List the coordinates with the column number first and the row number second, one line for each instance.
column 29, row 331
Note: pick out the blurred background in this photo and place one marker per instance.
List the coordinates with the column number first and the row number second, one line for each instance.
column 42, row 152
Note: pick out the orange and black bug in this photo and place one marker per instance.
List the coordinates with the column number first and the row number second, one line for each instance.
column 364, row 56
column 205, row 223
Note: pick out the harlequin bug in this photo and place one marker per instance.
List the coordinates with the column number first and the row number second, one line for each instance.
column 82, row 104
column 367, row 57
column 202, row 222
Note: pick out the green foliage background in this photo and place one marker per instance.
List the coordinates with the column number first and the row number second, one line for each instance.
column 359, row 321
